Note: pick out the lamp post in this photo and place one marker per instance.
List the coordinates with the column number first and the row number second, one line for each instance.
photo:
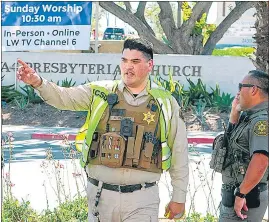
column 96, row 27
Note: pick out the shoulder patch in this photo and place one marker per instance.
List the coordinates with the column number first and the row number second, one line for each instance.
column 261, row 128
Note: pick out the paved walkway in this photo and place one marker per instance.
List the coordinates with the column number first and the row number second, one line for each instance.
column 55, row 133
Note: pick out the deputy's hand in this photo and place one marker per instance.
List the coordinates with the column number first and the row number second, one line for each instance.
column 235, row 104
column 28, row 75
column 175, row 208
column 239, row 204
column 235, row 111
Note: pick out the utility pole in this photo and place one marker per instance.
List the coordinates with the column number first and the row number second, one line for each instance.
column 107, row 18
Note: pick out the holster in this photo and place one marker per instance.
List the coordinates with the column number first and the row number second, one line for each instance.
column 253, row 198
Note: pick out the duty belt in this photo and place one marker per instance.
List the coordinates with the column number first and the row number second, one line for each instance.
column 262, row 186
column 122, row 189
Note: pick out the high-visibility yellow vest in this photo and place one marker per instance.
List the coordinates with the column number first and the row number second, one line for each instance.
column 99, row 105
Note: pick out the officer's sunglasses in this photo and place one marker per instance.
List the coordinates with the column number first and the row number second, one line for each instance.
column 241, row 85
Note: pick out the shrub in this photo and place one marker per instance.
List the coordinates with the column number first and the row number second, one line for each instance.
column 66, row 83
column 247, row 51
column 223, row 103
column 197, row 217
column 8, row 93
column 22, row 102
column 174, row 87
column 76, row 210
column 196, row 96
column 198, row 92
column 199, row 112
column 31, row 94
column 13, row 210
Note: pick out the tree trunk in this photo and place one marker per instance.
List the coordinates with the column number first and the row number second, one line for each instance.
column 233, row 16
column 261, row 37
column 181, row 39
column 141, row 28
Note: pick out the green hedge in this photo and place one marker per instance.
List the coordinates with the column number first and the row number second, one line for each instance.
column 14, row 211
column 71, row 211
column 246, row 51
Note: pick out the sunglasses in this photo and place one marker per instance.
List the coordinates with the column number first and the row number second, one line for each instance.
column 241, row 85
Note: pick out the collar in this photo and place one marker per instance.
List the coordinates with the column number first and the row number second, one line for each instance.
column 122, row 87
column 259, row 107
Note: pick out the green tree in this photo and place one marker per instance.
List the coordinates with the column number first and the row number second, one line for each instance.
column 185, row 38
column 152, row 12
column 151, row 16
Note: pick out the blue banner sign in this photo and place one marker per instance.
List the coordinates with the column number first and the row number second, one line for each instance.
column 46, row 25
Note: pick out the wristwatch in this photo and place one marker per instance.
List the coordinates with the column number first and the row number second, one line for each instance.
column 238, row 194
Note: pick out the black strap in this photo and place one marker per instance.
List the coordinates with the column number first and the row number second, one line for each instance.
column 122, row 189
column 262, row 187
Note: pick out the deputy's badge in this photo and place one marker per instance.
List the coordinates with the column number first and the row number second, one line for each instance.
column 149, row 117
column 261, row 128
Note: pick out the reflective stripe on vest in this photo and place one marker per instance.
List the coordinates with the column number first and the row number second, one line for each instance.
column 165, row 108
column 84, row 137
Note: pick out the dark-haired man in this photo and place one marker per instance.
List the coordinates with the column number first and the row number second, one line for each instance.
column 128, row 139
column 245, row 168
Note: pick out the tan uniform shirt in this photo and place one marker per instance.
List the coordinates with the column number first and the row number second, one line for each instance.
column 78, row 98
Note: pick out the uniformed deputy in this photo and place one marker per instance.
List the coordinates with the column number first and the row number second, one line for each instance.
column 133, row 132
column 241, row 156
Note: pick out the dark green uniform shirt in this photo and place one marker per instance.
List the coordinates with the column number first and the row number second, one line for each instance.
column 249, row 136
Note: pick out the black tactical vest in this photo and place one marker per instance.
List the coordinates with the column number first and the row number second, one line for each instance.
column 238, row 153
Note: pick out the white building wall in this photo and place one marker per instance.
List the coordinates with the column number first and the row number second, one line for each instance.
column 82, row 67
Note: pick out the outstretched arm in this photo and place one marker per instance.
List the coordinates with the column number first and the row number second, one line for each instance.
column 73, row 98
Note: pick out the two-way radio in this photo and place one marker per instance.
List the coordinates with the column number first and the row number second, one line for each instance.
column 112, row 100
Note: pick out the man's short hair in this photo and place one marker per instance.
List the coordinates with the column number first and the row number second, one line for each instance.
column 262, row 79
column 141, row 45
